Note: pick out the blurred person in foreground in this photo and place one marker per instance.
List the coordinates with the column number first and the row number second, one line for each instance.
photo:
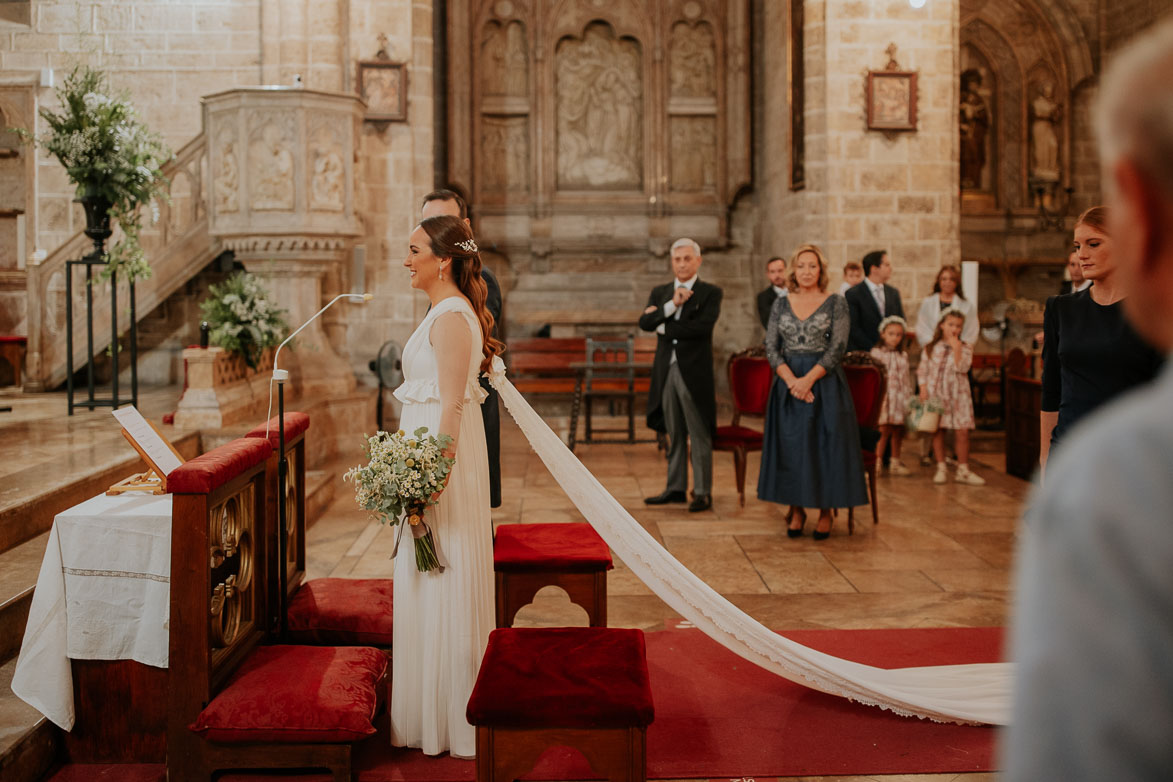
column 1093, row 631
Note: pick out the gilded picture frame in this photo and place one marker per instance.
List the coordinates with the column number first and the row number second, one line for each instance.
column 383, row 85
column 891, row 100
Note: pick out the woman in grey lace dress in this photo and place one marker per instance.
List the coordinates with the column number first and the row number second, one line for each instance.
column 810, row 454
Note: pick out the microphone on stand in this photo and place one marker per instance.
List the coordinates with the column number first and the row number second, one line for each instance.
column 280, row 377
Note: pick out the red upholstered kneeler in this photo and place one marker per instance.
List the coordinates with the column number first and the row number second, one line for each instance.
column 582, row 687
column 527, row 557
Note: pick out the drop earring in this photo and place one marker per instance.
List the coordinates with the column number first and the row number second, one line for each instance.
column 441, row 274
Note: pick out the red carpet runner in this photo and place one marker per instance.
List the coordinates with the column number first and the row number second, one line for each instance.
column 718, row 716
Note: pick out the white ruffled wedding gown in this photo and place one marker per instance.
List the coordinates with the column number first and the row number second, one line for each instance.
column 443, row 619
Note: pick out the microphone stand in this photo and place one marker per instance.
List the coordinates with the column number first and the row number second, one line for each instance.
column 281, row 377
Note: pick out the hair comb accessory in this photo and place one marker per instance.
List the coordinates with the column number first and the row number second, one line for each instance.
column 888, row 321
column 469, row 246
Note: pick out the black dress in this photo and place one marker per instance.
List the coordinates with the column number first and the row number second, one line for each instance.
column 1090, row 355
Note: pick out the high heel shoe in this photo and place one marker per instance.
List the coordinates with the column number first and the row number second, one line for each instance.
column 792, row 532
column 818, row 535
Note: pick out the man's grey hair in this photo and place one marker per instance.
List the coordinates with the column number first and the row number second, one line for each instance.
column 1135, row 107
column 685, row 242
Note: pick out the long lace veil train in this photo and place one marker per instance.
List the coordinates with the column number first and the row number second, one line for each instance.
column 977, row 693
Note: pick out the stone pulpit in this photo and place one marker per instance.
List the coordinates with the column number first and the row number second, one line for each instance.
column 282, row 198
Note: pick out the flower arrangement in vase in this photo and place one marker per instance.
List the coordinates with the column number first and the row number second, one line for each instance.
column 242, row 318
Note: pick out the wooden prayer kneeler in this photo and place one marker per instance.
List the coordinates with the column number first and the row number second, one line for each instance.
column 330, row 611
column 527, row 557
column 582, row 687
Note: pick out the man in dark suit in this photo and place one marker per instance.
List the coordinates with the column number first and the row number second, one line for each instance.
column 683, row 399
column 448, row 202
column 1077, row 282
column 871, row 301
column 776, row 274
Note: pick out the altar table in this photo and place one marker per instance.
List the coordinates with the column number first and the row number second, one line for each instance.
column 103, row 593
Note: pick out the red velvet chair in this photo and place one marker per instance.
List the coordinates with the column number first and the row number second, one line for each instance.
column 749, row 386
column 582, row 687
column 12, row 350
column 528, row 557
column 868, row 384
column 331, row 611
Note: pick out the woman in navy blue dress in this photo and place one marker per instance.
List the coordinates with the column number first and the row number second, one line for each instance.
column 810, row 453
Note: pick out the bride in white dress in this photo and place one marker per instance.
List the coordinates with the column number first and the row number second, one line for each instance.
column 443, row 617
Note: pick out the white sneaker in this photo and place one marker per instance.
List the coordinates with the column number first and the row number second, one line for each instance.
column 966, row 476
column 896, row 467
column 940, row 476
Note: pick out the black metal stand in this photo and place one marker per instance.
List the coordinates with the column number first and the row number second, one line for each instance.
column 98, row 230
column 282, row 512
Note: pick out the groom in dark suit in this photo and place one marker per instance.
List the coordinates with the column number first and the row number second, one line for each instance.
column 871, row 301
column 776, row 274
column 683, row 400
column 448, row 202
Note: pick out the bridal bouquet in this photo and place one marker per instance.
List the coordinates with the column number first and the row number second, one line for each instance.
column 400, row 481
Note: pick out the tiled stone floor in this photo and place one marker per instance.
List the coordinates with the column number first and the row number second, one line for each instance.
column 940, row 556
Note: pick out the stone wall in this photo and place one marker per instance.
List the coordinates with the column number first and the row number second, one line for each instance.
column 865, row 189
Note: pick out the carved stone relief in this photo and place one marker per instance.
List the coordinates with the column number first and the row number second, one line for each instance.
column 505, row 150
column 270, row 160
column 505, row 60
column 694, row 153
column 693, row 61
column 226, row 178
column 599, row 88
column 327, row 174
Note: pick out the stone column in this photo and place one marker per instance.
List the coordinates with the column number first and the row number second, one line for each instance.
column 283, row 200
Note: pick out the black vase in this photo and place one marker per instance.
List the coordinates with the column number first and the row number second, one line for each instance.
column 97, row 209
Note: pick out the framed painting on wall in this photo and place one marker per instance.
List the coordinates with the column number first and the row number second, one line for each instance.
column 383, row 85
column 891, row 99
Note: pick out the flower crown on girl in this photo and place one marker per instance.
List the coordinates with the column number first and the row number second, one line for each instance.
column 949, row 312
column 888, row 321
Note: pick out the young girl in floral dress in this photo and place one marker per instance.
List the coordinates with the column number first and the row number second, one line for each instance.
column 943, row 374
column 889, row 351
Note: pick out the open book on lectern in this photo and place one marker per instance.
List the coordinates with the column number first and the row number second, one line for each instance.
column 160, row 455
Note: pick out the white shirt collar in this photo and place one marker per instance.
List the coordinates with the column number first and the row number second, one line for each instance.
column 780, row 291
column 687, row 283
column 1082, row 286
column 874, row 287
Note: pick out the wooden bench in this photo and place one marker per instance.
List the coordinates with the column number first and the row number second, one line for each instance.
column 233, row 701
column 582, row 687
column 528, row 557
column 560, row 366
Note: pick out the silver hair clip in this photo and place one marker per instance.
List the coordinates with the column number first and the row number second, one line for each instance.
column 468, row 246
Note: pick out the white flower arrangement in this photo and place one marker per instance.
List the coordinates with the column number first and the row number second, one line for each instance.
column 402, row 478
column 242, row 318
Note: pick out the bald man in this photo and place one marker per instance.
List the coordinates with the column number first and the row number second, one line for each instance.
column 1093, row 632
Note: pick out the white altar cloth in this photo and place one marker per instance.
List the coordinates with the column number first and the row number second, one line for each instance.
column 103, row 593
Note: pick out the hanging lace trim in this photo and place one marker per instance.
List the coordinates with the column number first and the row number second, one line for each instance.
column 969, row 694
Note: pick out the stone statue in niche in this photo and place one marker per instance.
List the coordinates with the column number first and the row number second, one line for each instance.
column 975, row 125
column 270, row 169
column 505, row 61
column 599, row 89
column 1045, row 113
column 226, row 179
column 693, row 62
column 505, row 151
column 327, row 174
column 694, row 153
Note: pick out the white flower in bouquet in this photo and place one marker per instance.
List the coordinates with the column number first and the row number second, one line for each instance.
column 400, row 480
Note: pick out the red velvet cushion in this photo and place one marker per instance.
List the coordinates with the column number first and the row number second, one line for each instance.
column 295, row 424
column 297, row 694
column 528, row 548
column 866, row 384
column 342, row 611
column 218, row 466
column 10, row 340
column 749, row 383
column 728, row 437
column 563, row 677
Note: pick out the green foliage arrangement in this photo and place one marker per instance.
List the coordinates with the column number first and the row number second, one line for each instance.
column 242, row 319
column 108, row 153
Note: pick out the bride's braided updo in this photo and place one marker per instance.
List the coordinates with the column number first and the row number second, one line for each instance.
column 450, row 237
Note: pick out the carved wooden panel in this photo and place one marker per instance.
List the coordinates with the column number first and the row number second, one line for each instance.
column 587, row 108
